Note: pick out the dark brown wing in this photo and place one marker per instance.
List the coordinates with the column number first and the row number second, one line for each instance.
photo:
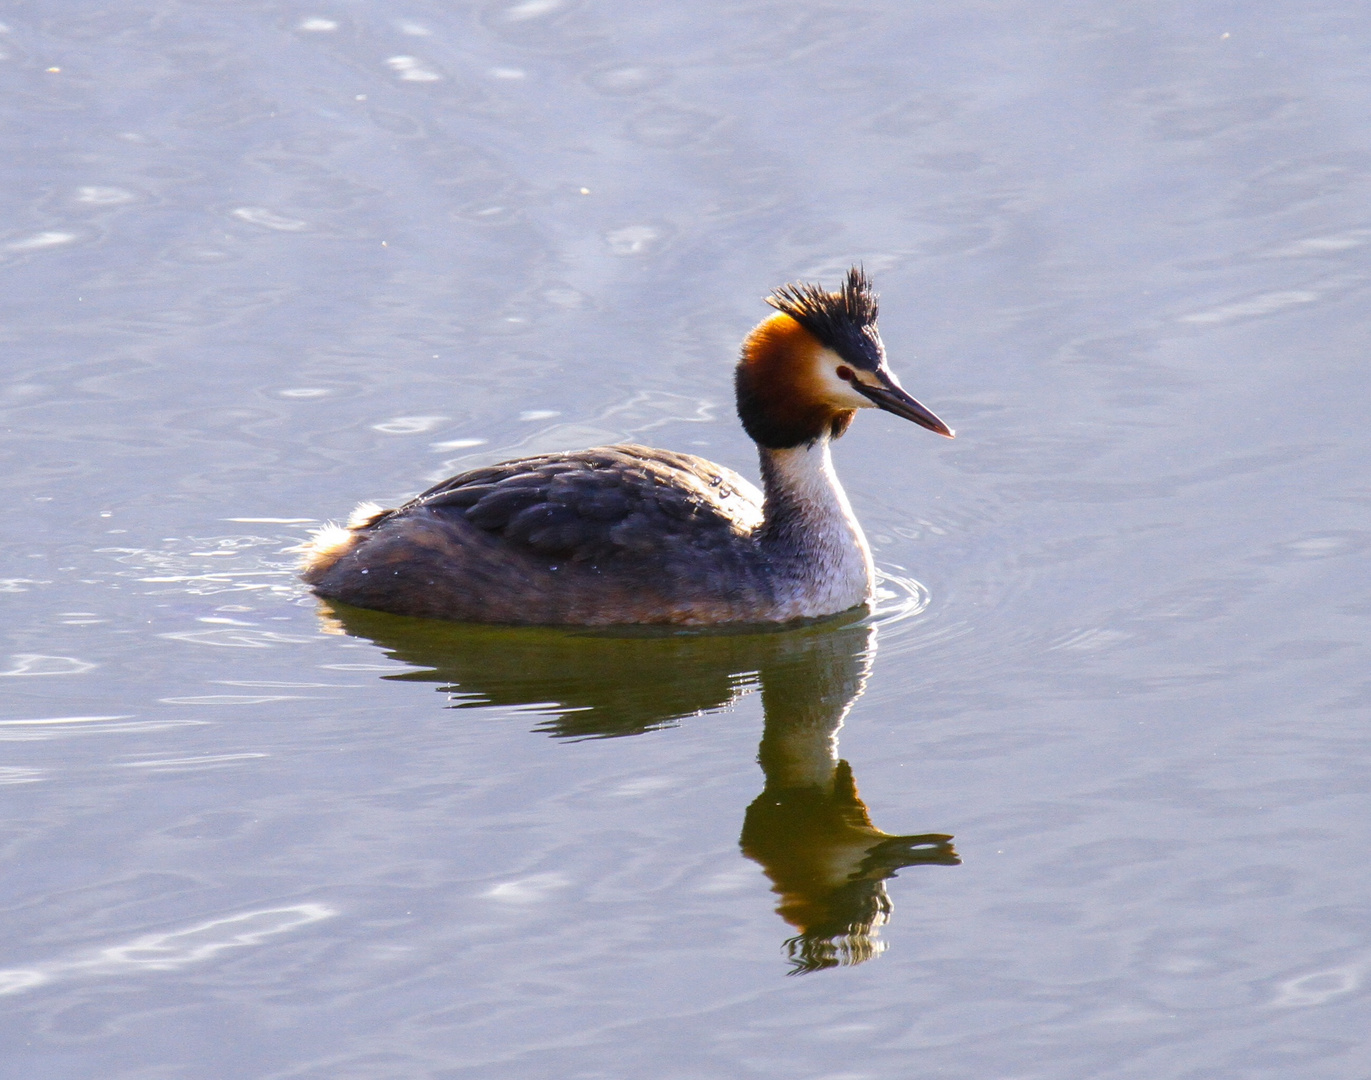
column 601, row 503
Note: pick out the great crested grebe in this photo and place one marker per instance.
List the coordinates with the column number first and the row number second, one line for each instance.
column 628, row 534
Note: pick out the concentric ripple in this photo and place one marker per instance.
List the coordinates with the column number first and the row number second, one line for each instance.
column 898, row 598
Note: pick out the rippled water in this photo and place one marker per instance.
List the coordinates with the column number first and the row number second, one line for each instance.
column 262, row 261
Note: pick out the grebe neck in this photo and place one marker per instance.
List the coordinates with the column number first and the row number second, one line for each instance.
column 809, row 531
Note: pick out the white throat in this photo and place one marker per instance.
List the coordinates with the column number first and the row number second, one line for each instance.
column 810, row 525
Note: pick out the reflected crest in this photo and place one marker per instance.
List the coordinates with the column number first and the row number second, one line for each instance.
column 808, row 830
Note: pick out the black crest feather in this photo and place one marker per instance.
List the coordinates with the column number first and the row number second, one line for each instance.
column 844, row 321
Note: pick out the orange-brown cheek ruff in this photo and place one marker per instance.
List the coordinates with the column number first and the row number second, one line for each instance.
column 781, row 400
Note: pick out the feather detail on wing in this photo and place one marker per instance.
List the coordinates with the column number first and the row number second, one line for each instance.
column 595, row 504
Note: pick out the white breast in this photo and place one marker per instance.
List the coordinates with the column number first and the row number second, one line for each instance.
column 832, row 569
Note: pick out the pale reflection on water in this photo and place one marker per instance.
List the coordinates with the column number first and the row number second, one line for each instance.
column 172, row 950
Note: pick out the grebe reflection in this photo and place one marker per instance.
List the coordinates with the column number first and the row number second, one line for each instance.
column 809, row 829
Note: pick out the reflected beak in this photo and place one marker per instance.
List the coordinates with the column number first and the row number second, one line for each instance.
column 893, row 399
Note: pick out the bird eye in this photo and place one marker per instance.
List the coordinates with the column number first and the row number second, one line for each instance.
column 845, row 373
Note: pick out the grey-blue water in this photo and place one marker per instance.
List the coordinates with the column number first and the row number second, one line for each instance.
column 264, row 260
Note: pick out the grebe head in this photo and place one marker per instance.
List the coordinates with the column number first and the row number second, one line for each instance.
column 806, row 370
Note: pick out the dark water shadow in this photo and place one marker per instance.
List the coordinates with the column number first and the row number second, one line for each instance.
column 809, row 829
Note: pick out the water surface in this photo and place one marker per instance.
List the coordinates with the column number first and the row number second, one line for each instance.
column 264, row 260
